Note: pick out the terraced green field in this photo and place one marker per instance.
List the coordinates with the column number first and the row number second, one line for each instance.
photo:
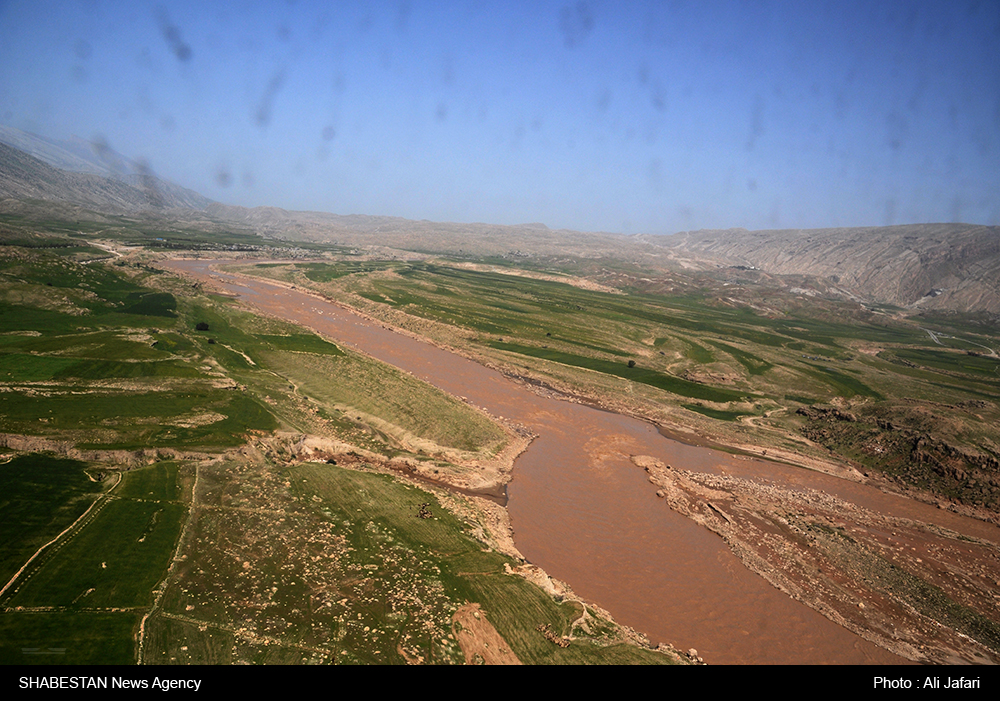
column 42, row 496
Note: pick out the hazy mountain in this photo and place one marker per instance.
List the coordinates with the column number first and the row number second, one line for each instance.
column 425, row 236
column 937, row 266
column 23, row 176
column 76, row 155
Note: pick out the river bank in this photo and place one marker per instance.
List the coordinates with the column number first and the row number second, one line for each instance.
column 584, row 511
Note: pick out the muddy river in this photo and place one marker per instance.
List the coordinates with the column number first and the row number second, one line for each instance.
column 588, row 516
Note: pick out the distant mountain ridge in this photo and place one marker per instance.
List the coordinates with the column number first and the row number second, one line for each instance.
column 918, row 266
column 421, row 235
column 931, row 266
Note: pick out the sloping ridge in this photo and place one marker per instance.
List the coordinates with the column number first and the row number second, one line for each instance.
column 24, row 177
column 934, row 266
column 421, row 235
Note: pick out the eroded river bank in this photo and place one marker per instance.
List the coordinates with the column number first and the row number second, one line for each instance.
column 676, row 566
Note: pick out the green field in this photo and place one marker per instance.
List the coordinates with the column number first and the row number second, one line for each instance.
column 42, row 495
column 86, row 593
column 70, row 638
column 667, row 337
column 316, row 563
column 674, row 385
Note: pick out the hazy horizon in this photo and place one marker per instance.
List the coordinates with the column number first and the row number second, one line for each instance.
column 649, row 118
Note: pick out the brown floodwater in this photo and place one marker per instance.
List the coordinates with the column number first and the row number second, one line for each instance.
column 583, row 512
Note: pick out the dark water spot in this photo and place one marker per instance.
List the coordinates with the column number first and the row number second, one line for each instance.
column 756, row 122
column 263, row 115
column 659, row 98
column 148, row 183
column 575, row 23
column 604, row 100
column 643, row 74
column 890, row 212
column 956, row 209
column 104, row 151
column 82, row 49
column 172, row 34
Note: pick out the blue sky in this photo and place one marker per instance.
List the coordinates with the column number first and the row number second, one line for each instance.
column 634, row 117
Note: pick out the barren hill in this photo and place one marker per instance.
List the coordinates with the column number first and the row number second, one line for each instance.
column 425, row 236
column 936, row 266
column 22, row 176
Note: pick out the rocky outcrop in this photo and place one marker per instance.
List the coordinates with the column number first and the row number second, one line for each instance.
column 915, row 452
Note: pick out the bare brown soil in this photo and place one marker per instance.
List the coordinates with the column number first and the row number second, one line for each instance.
column 67, row 448
column 582, row 510
column 479, row 640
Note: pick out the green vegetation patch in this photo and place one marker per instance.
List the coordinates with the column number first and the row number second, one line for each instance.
column 675, row 385
column 980, row 366
column 42, row 495
column 133, row 420
column 754, row 365
column 843, row 385
column 22, row 367
column 120, row 344
column 352, row 381
column 159, row 482
column 697, row 353
column 114, row 561
column 108, row 369
column 719, row 414
column 325, row 272
column 151, row 304
column 68, row 637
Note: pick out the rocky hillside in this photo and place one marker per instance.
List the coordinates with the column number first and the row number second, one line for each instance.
column 24, row 177
column 932, row 266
